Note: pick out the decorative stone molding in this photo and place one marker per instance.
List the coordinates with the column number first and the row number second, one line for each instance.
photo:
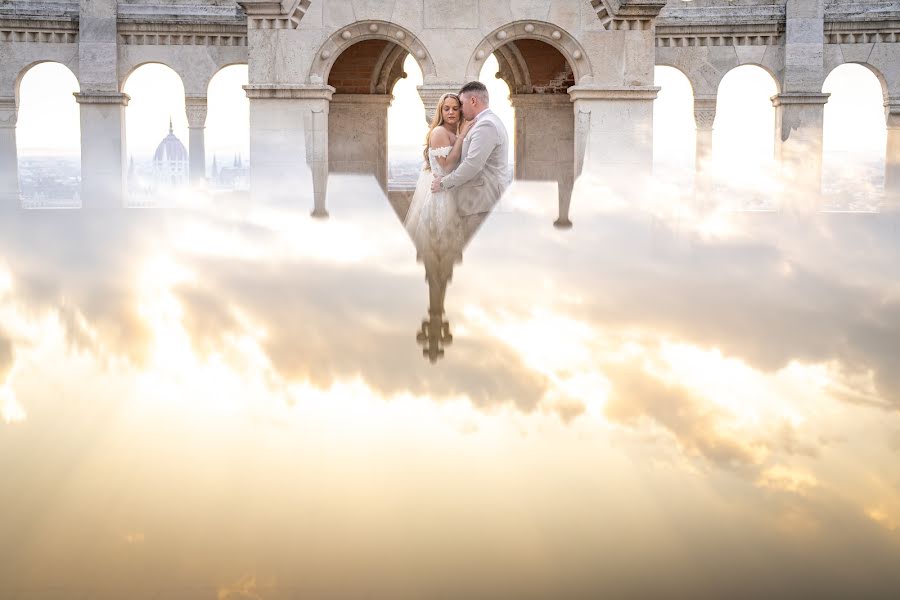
column 271, row 14
column 569, row 47
column 286, row 91
column 764, row 34
column 787, row 98
column 182, row 34
column 704, row 112
column 47, row 31
column 627, row 15
column 369, row 30
column 837, row 35
column 580, row 92
column 102, row 98
column 8, row 113
column 196, row 108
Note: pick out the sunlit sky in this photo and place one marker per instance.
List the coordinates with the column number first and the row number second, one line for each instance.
column 743, row 134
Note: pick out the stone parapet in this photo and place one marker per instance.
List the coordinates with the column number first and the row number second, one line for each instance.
column 102, row 98
column 289, row 91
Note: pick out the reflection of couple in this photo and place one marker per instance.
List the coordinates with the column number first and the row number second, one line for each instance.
column 465, row 174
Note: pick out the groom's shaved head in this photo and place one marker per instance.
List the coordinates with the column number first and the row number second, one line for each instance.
column 477, row 89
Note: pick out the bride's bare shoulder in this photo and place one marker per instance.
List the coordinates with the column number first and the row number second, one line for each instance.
column 440, row 137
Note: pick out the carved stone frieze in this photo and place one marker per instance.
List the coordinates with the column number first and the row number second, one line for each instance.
column 196, row 108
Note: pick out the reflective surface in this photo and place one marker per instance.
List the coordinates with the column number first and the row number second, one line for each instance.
column 230, row 401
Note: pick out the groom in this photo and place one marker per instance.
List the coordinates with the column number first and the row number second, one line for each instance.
column 481, row 177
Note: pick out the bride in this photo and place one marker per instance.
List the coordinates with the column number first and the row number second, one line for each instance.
column 432, row 220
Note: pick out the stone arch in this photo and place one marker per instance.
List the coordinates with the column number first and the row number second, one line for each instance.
column 765, row 68
column 131, row 69
column 24, row 70
column 559, row 38
column 885, row 90
column 220, row 67
column 361, row 31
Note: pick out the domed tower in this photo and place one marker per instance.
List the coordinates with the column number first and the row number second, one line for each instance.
column 170, row 162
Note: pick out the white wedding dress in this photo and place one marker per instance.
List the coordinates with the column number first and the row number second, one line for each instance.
column 433, row 221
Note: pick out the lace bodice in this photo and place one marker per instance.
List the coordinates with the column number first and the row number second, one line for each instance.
column 433, row 153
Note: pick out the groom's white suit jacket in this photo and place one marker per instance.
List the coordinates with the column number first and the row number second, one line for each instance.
column 482, row 176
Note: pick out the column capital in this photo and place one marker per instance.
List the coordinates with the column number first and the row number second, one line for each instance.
column 809, row 98
column 101, row 98
column 592, row 92
column 195, row 107
column 704, row 112
column 289, row 91
column 9, row 112
column 892, row 113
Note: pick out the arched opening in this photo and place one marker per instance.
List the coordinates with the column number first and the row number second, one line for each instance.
column 854, row 138
column 406, row 129
column 744, row 134
column 363, row 76
column 228, row 130
column 542, row 139
column 48, row 137
column 501, row 101
column 156, row 132
column 674, row 130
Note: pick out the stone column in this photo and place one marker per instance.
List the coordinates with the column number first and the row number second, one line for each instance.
column 289, row 142
column 614, row 133
column 545, row 143
column 799, row 118
column 704, row 116
column 195, row 107
column 103, row 171
column 430, row 95
column 892, row 152
column 9, row 158
column 358, row 133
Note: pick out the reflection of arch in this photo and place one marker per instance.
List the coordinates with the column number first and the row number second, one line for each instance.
column 360, row 31
column 29, row 66
column 559, row 38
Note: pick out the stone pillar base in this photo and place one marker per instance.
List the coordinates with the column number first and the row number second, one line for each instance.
column 9, row 158
column 103, row 163
column 545, row 143
column 357, row 135
column 614, row 133
column 289, row 143
column 196, row 107
column 799, row 118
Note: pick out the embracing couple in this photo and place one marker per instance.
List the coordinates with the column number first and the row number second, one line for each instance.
column 466, row 157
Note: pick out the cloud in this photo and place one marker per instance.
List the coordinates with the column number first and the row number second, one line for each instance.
column 698, row 427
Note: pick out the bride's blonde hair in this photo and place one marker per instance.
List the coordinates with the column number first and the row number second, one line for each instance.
column 437, row 121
